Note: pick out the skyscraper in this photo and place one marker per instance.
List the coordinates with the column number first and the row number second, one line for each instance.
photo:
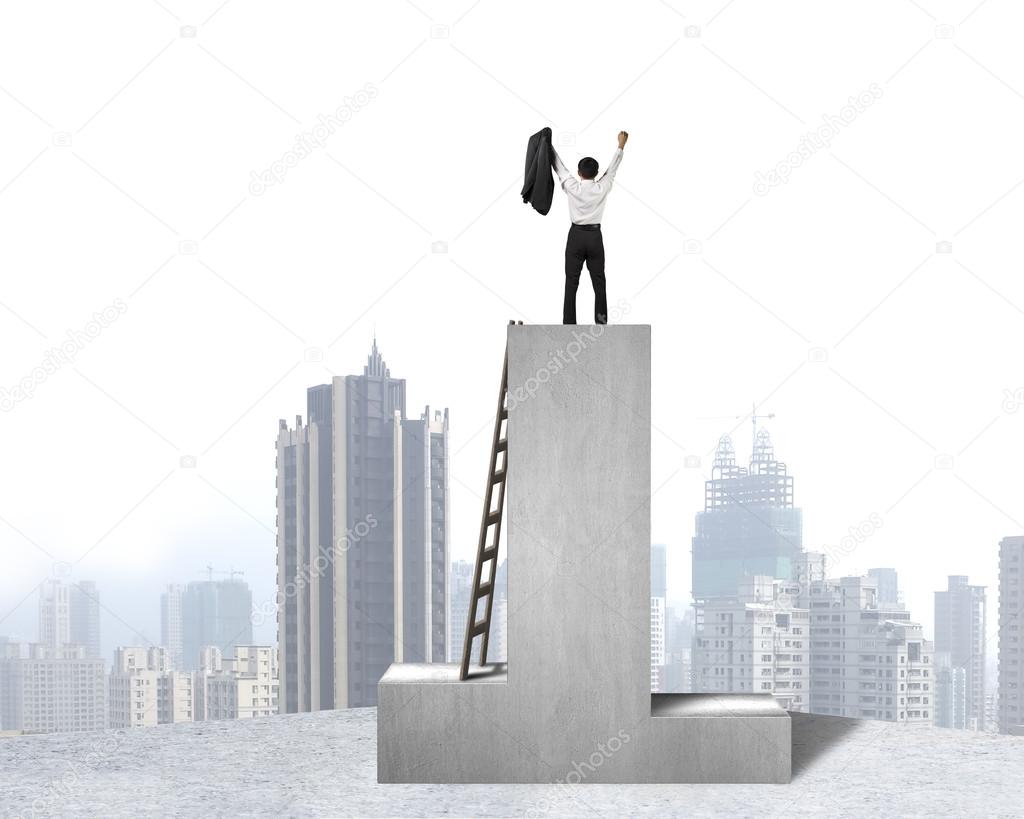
column 84, row 609
column 54, row 614
column 363, row 533
column 214, row 613
column 960, row 655
column 171, row 624
column 749, row 525
column 1011, row 635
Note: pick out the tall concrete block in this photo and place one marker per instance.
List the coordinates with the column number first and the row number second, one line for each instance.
column 574, row 703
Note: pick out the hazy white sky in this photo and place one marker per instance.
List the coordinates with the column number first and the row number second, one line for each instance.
column 132, row 133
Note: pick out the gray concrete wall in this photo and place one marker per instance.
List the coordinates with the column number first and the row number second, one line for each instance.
column 575, row 705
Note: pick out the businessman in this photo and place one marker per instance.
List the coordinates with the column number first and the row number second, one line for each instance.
column 587, row 196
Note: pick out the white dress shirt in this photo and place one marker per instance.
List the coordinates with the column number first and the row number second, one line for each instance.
column 586, row 196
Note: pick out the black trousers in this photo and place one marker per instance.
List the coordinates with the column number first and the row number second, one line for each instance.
column 584, row 244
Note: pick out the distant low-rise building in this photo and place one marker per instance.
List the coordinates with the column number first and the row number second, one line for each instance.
column 243, row 685
column 145, row 689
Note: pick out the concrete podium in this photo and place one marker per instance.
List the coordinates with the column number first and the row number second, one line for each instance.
column 574, row 704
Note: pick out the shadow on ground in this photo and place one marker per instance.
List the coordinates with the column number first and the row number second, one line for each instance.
column 814, row 735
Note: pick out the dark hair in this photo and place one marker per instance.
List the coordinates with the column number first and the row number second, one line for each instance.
column 588, row 167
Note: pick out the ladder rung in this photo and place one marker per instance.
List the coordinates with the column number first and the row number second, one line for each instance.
column 485, row 590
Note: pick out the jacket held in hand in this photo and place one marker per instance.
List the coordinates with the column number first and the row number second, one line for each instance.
column 539, row 181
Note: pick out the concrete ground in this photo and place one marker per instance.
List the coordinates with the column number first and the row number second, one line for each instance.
column 325, row 765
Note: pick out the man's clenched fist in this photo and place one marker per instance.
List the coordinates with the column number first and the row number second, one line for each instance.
column 623, row 136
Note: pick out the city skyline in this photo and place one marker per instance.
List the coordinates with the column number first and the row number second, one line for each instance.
column 676, row 595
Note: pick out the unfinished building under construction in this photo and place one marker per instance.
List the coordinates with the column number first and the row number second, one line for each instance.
column 749, row 525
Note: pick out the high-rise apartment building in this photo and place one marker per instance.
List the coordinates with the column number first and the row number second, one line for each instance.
column 51, row 690
column 960, row 655
column 659, row 603
column 214, row 613
column 657, row 644
column 363, row 534
column 460, row 588
column 172, row 626
column 84, row 609
column 70, row 613
column 756, row 641
column 678, row 674
column 54, row 614
column 1011, row 635
column 868, row 659
column 888, row 586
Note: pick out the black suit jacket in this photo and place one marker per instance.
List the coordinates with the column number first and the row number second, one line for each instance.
column 539, row 181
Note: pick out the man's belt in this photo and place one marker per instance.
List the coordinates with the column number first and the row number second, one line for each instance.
column 586, row 227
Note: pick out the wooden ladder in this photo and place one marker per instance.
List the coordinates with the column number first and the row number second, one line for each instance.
column 491, row 521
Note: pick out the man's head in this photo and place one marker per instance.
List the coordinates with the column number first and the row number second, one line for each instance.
column 588, row 167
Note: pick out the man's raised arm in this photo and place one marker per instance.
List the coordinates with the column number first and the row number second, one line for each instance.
column 613, row 166
column 564, row 174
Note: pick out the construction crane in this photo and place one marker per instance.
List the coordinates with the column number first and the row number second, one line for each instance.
column 753, row 420
column 231, row 572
